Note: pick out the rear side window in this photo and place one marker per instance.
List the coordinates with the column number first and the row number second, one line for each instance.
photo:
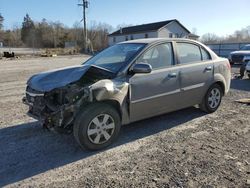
column 188, row 53
column 205, row 55
column 159, row 56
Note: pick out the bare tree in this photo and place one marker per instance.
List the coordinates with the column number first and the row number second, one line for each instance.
column 242, row 35
column 210, row 38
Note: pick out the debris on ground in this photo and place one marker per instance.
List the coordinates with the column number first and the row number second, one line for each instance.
column 48, row 55
column 8, row 54
column 244, row 101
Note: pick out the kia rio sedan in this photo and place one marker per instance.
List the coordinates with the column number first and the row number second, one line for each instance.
column 124, row 83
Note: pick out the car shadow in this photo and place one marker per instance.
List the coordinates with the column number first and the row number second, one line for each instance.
column 240, row 84
column 27, row 149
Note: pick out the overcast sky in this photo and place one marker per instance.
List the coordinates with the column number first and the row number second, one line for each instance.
column 221, row 17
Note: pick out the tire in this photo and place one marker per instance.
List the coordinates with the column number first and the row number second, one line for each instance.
column 242, row 69
column 97, row 126
column 212, row 99
column 249, row 76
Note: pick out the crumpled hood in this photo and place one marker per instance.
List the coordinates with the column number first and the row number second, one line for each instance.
column 243, row 52
column 47, row 81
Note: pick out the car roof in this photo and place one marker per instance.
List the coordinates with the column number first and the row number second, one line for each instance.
column 154, row 40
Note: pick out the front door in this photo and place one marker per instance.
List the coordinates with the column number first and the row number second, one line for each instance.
column 156, row 92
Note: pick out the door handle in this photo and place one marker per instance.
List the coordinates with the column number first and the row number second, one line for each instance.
column 209, row 68
column 172, row 75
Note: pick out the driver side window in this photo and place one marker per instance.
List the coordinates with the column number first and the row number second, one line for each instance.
column 158, row 57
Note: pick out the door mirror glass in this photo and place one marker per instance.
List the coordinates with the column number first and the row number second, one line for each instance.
column 141, row 68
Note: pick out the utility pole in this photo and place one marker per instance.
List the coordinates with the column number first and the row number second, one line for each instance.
column 85, row 5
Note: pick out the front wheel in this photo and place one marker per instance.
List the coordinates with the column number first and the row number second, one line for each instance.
column 212, row 99
column 97, row 126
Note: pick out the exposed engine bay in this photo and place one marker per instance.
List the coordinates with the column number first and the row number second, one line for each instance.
column 56, row 107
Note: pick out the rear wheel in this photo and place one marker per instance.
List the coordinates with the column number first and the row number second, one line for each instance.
column 242, row 69
column 212, row 99
column 97, row 126
column 249, row 76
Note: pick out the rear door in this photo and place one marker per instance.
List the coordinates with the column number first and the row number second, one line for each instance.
column 196, row 72
column 156, row 92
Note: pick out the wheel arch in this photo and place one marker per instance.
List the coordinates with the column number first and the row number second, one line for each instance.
column 115, row 104
column 221, row 84
column 220, row 80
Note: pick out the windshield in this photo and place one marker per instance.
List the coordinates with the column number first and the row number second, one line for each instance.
column 247, row 47
column 114, row 57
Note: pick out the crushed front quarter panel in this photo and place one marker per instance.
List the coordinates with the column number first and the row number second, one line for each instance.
column 116, row 90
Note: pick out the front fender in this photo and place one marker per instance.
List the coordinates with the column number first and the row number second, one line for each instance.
column 104, row 90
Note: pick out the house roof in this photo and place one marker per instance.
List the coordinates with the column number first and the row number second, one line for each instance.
column 193, row 35
column 145, row 28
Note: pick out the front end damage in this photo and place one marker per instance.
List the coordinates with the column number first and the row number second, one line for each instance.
column 56, row 109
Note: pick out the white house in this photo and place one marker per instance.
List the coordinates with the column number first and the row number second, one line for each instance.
column 165, row 29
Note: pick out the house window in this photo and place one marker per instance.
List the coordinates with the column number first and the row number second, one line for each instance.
column 146, row 35
column 131, row 37
column 114, row 40
column 170, row 35
column 126, row 38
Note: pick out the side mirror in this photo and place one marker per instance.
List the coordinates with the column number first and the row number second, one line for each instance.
column 142, row 68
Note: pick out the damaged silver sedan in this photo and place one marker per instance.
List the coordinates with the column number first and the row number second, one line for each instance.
column 124, row 83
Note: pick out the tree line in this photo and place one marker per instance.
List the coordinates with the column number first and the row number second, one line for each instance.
column 45, row 34
column 239, row 36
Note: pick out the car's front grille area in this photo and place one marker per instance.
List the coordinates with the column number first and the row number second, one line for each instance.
column 237, row 58
column 34, row 97
column 31, row 90
column 35, row 100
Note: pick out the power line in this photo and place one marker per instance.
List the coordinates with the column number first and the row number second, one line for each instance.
column 85, row 5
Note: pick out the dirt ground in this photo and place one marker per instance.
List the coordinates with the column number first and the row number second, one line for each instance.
column 187, row 148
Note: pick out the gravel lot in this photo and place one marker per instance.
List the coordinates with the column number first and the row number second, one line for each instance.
column 186, row 148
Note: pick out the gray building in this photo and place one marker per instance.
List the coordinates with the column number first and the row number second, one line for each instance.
column 165, row 29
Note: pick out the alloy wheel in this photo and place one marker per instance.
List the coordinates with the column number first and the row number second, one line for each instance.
column 101, row 129
column 214, row 98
